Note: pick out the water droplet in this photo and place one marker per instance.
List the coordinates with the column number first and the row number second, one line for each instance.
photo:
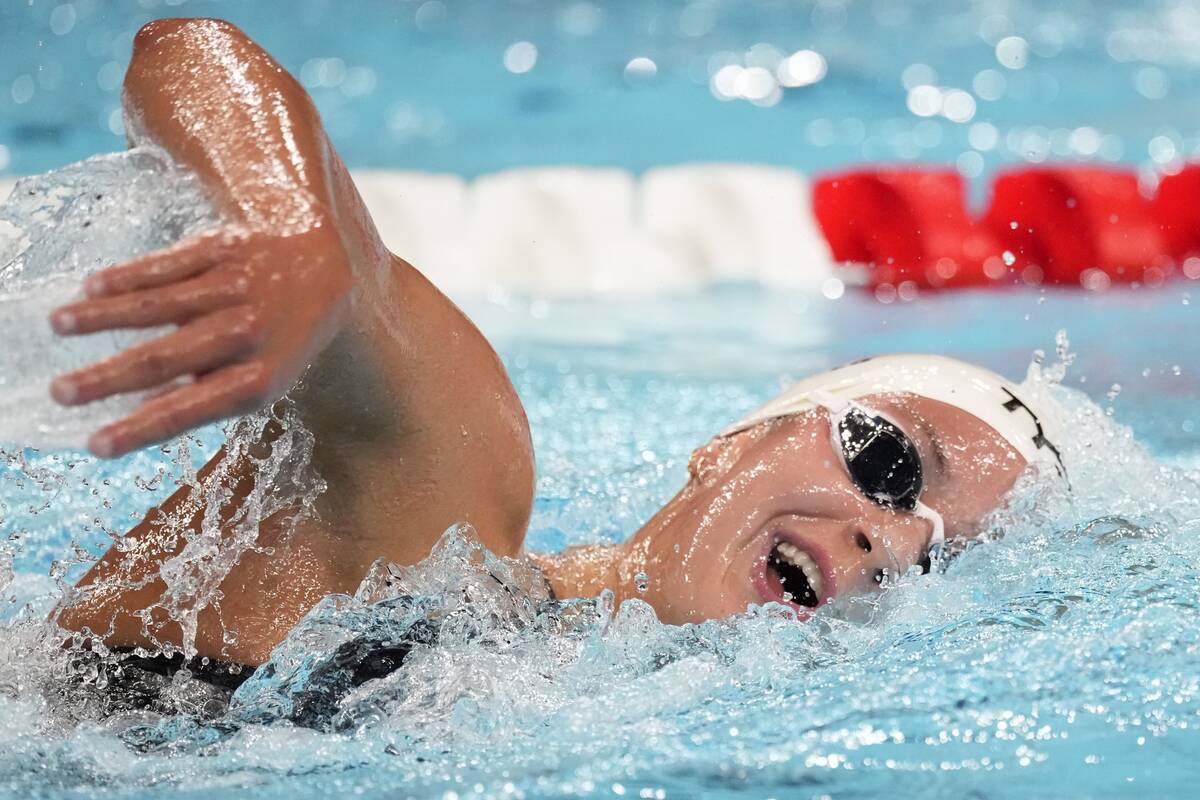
column 641, row 581
column 1008, row 257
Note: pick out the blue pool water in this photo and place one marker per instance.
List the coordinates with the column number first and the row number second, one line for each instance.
column 422, row 84
column 1056, row 659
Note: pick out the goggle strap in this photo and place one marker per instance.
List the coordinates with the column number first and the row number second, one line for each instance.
column 832, row 403
column 836, row 406
column 937, row 536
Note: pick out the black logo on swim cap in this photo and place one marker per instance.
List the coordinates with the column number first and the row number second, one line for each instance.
column 1039, row 439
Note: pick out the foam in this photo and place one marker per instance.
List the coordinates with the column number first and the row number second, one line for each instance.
column 58, row 229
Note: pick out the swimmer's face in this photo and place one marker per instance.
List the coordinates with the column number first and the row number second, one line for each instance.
column 772, row 514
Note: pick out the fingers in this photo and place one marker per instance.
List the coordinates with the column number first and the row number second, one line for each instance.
column 206, row 344
column 234, row 390
column 150, row 307
column 178, row 262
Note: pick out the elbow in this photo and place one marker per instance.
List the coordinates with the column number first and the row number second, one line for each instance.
column 195, row 53
column 167, row 42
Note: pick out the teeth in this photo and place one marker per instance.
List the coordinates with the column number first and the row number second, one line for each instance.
column 798, row 558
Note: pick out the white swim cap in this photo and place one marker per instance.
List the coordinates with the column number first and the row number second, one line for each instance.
column 1032, row 431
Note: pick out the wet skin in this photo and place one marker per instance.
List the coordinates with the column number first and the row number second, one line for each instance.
column 707, row 552
column 415, row 422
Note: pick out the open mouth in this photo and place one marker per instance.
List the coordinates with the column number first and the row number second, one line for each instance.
column 798, row 575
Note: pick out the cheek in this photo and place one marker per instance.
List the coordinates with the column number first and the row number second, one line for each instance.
column 970, row 502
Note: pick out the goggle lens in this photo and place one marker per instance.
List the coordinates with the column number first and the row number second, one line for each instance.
column 883, row 462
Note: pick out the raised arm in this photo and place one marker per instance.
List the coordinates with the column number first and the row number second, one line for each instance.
column 256, row 301
column 415, row 421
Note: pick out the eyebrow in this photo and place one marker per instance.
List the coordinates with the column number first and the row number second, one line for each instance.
column 939, row 449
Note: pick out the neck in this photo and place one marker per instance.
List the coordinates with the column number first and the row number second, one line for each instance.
column 585, row 570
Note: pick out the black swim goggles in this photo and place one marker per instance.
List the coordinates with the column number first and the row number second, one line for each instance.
column 881, row 460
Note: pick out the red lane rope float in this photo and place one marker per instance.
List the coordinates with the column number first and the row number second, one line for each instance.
column 907, row 225
column 1058, row 225
column 1177, row 209
column 1079, row 225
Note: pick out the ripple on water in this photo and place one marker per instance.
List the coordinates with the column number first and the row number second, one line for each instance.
column 1057, row 655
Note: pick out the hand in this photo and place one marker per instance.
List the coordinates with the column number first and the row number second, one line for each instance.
column 253, row 309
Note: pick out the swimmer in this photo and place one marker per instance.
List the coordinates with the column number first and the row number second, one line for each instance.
column 844, row 479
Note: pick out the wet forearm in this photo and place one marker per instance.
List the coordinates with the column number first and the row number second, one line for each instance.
column 220, row 105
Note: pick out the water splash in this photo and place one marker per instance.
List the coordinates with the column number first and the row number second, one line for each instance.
column 55, row 230
column 1054, row 644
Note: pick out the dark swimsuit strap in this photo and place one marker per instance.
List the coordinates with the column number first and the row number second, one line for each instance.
column 363, row 658
column 222, row 674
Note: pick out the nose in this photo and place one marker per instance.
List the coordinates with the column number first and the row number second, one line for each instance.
column 867, row 549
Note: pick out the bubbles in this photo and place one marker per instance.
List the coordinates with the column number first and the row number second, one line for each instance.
column 520, row 57
column 359, row 82
column 116, row 122
column 430, row 16
column 958, row 106
column 22, row 89
column 924, row 100
column 1162, row 150
column 915, row 75
column 994, row 27
column 697, row 19
column 983, row 136
column 763, row 55
column 323, row 73
column 821, row 132
column 62, row 19
column 1152, row 83
column 1012, row 52
column 802, row 68
column 755, row 84
column 762, row 73
column 970, row 164
column 1095, row 280
column 1085, row 141
column 406, row 122
column 640, row 70
column 581, row 18
column 724, row 82
column 110, row 75
column 833, row 289
column 989, row 84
